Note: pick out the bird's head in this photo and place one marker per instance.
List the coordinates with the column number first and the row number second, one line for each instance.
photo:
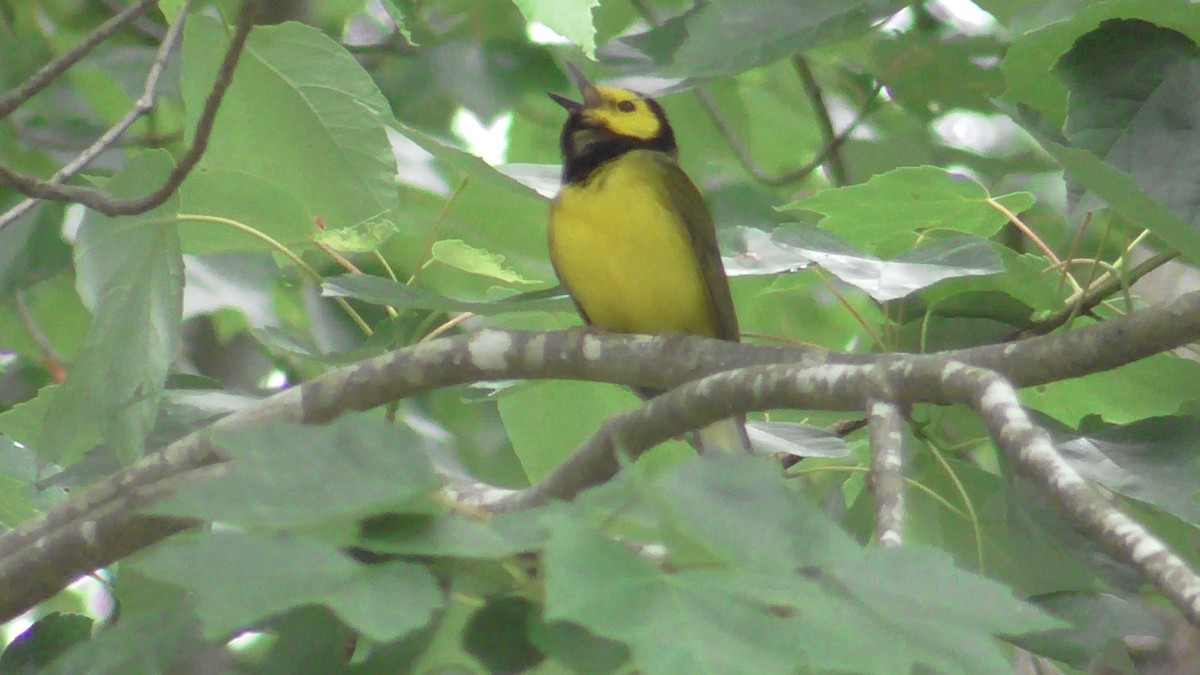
column 607, row 123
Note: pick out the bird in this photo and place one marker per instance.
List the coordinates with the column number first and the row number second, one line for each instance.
column 630, row 236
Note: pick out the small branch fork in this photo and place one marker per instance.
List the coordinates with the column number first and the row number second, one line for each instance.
column 101, row 523
column 55, row 188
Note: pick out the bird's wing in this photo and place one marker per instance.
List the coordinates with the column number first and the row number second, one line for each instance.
column 682, row 197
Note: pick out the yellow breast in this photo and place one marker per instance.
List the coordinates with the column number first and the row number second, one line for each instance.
column 626, row 256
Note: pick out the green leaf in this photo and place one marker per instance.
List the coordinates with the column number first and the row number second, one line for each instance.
column 1123, row 194
column 1098, row 621
column 465, row 163
column 749, row 34
column 24, row 421
column 458, row 254
column 706, row 497
column 322, row 149
column 911, row 199
column 34, row 649
column 499, row 635
column 576, row 648
column 357, row 466
column 1031, row 57
column 1151, row 460
column 360, row 238
column 149, row 643
column 399, row 18
column 884, row 280
column 694, row 621
column 263, row 204
column 571, row 19
column 450, row 534
column 384, row 291
column 1158, row 385
column 240, row 579
column 1134, row 91
column 15, row 504
column 152, row 642
column 547, row 421
column 794, row 573
column 30, row 249
column 308, row 639
column 912, row 606
column 130, row 272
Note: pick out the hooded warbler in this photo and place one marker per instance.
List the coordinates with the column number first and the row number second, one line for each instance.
column 630, row 236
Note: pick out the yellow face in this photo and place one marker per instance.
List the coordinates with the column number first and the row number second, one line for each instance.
column 624, row 113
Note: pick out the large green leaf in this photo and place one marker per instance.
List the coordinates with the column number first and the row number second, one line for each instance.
column 451, row 534
column 1098, row 621
column 130, row 273
column 1028, row 63
column 1135, row 89
column 298, row 476
column 1159, row 385
column 238, row 579
column 53, row 634
column 794, row 574
column 749, row 34
column 548, row 421
column 156, row 641
column 1122, row 193
column 300, row 133
column 1151, row 460
column 885, row 280
column 571, row 19
column 31, row 249
column 912, row 199
column 384, row 291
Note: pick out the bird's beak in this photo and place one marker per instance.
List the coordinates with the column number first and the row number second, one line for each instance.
column 591, row 97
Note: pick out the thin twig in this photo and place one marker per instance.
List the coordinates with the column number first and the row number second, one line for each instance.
column 830, row 153
column 47, row 73
column 816, row 99
column 142, row 24
column 725, row 127
column 1028, row 232
column 427, row 249
column 95, row 199
column 1096, row 295
column 54, row 361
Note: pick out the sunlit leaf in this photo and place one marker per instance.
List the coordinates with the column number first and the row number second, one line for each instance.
column 912, row 199
column 570, row 18
column 461, row 255
column 384, row 291
column 891, row 279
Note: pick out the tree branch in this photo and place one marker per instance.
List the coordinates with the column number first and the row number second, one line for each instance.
column 887, row 471
column 816, row 100
column 746, row 159
column 96, row 199
column 1097, row 294
column 99, row 524
column 38, row 81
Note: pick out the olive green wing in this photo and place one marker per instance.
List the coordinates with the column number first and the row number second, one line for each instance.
column 682, row 196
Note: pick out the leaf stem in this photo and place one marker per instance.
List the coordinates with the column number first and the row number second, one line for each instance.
column 274, row 244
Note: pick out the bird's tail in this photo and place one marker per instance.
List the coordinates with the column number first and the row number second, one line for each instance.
column 727, row 436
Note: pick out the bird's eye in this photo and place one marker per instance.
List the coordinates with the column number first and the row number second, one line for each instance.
column 626, row 106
